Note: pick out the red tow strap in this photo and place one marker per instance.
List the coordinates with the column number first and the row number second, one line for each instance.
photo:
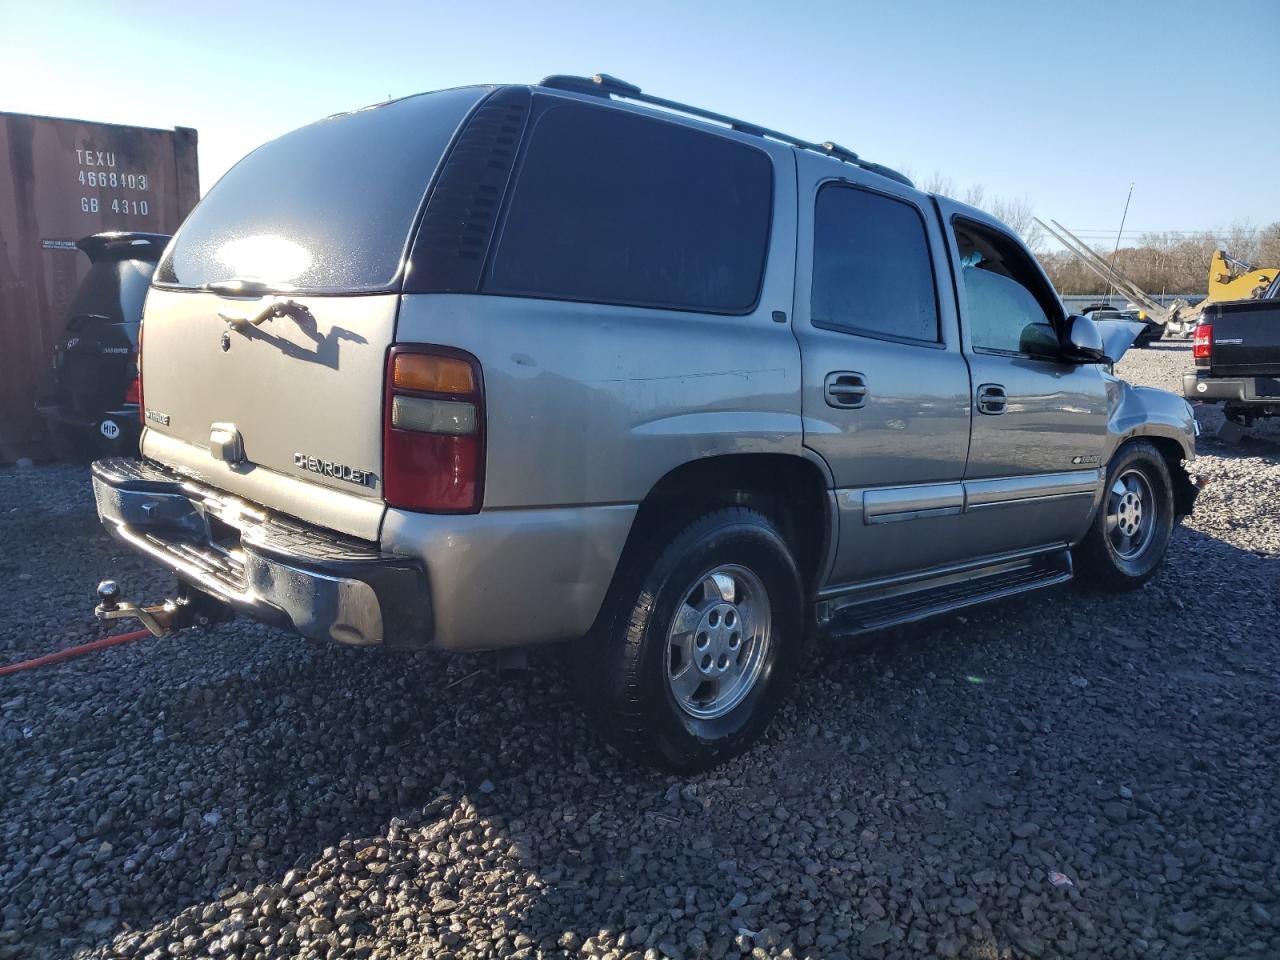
column 78, row 651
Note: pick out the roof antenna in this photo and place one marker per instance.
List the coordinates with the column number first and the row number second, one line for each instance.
column 1124, row 216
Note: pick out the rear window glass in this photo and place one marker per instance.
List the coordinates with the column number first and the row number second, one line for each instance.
column 113, row 290
column 610, row 207
column 326, row 207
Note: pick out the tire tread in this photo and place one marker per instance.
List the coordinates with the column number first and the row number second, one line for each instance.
column 1095, row 565
column 607, row 674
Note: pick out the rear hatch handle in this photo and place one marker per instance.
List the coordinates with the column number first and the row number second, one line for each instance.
column 239, row 287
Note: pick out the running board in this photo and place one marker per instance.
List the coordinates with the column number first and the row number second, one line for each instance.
column 878, row 606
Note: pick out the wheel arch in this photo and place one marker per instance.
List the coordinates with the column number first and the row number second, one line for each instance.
column 793, row 490
column 1184, row 486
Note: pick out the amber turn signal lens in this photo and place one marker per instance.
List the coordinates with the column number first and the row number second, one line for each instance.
column 429, row 374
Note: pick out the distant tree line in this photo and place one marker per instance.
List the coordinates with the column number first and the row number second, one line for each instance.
column 1164, row 262
column 1157, row 262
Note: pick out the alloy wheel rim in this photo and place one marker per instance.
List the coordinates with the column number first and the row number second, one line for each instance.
column 1131, row 514
column 718, row 641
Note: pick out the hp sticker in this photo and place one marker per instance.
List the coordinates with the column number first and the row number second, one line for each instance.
column 110, row 429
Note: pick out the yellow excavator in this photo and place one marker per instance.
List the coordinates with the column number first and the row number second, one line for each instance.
column 1229, row 279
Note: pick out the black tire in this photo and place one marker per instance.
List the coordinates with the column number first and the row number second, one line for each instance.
column 67, row 445
column 622, row 667
column 1101, row 559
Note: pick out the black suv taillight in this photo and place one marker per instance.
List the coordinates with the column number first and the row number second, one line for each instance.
column 133, row 393
column 1202, row 344
column 433, row 430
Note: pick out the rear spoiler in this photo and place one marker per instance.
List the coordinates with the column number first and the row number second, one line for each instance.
column 116, row 245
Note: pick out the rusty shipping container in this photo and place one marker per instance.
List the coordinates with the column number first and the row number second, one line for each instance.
column 61, row 180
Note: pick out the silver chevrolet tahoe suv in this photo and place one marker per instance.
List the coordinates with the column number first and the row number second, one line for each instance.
column 507, row 365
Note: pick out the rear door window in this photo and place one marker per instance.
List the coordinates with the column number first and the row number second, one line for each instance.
column 872, row 272
column 328, row 207
column 611, row 207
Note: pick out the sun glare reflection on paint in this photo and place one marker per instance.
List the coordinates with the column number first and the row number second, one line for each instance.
column 265, row 257
column 973, row 679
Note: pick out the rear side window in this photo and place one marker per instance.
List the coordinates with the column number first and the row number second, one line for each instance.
column 610, row 207
column 326, row 207
column 872, row 273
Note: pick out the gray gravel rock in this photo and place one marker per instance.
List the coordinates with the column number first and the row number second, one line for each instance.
column 242, row 793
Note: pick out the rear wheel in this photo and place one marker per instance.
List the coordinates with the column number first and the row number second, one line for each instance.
column 1130, row 534
column 698, row 643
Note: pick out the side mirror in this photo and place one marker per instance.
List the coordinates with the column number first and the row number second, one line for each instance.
column 1082, row 341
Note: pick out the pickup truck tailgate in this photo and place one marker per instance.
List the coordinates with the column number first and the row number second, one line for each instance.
column 1246, row 338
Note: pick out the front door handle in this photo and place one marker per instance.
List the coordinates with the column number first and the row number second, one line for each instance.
column 845, row 389
column 992, row 399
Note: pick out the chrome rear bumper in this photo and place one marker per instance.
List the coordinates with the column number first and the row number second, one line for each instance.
column 1262, row 391
column 267, row 566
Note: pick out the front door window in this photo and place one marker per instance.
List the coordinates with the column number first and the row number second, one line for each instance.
column 1003, row 296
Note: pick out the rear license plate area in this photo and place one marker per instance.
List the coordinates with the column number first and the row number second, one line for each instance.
column 1266, row 387
column 223, row 535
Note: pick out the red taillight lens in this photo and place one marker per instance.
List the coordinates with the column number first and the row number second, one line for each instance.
column 433, row 430
column 133, row 392
column 1202, row 342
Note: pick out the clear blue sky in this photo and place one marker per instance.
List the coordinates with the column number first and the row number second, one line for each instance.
column 1011, row 95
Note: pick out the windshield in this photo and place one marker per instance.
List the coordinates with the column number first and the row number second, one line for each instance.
column 325, row 208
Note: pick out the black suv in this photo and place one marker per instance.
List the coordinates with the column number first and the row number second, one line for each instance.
column 93, row 410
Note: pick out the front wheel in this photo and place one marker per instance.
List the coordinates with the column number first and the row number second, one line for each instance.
column 1131, row 531
column 697, row 644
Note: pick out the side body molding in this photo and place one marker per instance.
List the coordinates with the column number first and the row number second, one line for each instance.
column 892, row 504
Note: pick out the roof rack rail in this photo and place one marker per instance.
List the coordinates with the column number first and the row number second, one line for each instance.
column 605, row 86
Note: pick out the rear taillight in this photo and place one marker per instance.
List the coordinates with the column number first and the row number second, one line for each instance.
column 133, row 392
column 433, row 430
column 1202, row 344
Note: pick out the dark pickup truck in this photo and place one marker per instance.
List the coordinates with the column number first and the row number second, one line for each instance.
column 1236, row 347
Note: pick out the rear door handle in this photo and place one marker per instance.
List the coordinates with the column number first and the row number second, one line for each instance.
column 845, row 389
column 992, row 399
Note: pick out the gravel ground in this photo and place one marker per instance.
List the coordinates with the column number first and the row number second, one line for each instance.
column 1062, row 775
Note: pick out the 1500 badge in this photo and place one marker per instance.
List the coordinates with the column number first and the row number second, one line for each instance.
column 330, row 468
